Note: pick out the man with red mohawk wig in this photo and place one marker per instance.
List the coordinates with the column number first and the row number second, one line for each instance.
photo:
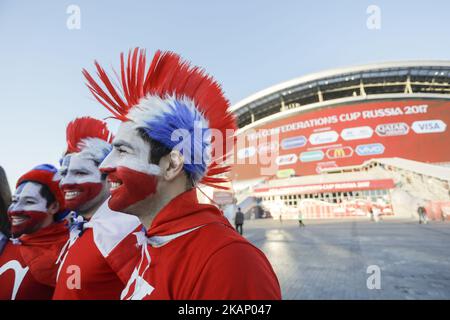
column 28, row 261
column 103, row 243
column 175, row 133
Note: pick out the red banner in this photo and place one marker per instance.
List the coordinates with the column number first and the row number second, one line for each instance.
column 345, row 135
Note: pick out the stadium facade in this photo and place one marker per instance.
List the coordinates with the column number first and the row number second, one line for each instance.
column 346, row 142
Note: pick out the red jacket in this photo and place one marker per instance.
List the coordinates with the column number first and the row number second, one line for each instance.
column 194, row 253
column 28, row 268
column 100, row 257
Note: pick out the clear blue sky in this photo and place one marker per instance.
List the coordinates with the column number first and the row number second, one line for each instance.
column 247, row 46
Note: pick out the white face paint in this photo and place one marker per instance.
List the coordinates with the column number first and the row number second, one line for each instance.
column 130, row 151
column 79, row 168
column 130, row 174
column 27, row 197
column 81, row 182
column 28, row 211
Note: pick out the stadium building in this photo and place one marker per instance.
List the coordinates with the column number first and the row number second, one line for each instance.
column 347, row 142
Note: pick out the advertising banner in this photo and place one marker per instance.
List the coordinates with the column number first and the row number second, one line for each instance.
column 345, row 135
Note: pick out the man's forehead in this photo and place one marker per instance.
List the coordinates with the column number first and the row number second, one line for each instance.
column 78, row 160
column 128, row 135
column 28, row 188
column 126, row 131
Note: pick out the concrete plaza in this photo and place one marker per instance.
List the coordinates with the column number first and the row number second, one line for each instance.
column 329, row 259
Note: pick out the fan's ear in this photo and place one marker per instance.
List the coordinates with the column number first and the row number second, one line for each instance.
column 53, row 208
column 172, row 165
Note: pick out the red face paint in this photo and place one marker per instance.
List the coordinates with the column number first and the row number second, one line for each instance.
column 76, row 195
column 26, row 222
column 128, row 187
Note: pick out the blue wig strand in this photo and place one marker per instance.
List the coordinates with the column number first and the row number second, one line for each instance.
column 191, row 142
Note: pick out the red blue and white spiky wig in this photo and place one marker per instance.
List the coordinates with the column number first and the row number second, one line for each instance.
column 90, row 136
column 169, row 95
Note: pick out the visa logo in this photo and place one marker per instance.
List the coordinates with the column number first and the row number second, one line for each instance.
column 429, row 126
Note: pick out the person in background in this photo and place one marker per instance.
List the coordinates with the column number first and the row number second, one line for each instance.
column 422, row 214
column 5, row 201
column 300, row 218
column 444, row 213
column 239, row 221
column 28, row 260
column 102, row 242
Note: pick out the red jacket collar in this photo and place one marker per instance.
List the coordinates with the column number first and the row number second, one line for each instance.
column 54, row 233
column 184, row 212
column 41, row 249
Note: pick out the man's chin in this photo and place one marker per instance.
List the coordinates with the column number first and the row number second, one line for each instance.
column 115, row 205
column 19, row 232
column 134, row 209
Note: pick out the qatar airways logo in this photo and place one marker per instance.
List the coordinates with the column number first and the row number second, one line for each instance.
column 392, row 129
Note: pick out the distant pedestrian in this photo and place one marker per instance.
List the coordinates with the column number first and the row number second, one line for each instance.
column 444, row 213
column 300, row 219
column 281, row 218
column 372, row 218
column 239, row 221
column 376, row 214
column 422, row 215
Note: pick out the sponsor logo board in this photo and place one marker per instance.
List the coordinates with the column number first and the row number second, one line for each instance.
column 294, row 142
column 392, row 129
column 285, row 173
column 369, row 149
column 339, row 152
column 309, row 156
column 323, row 137
column 325, row 165
column 357, row 133
column 286, row 159
column 429, row 126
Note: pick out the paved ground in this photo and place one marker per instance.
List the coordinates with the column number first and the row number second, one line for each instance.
column 329, row 260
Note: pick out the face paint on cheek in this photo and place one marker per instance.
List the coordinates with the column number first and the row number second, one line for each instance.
column 129, row 186
column 24, row 222
column 75, row 195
